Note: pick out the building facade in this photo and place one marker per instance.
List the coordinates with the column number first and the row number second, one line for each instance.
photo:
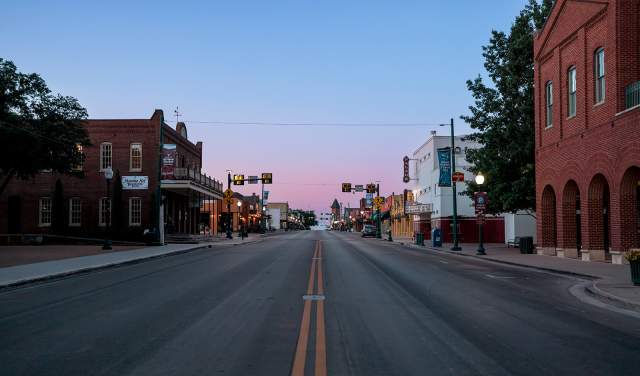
column 427, row 191
column 131, row 149
column 587, row 127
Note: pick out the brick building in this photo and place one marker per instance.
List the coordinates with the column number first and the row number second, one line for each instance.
column 587, row 110
column 131, row 148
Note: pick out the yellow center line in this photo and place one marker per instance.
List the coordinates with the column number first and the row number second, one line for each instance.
column 303, row 338
column 321, row 347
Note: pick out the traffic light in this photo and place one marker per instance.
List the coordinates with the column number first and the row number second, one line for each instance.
column 238, row 179
column 371, row 188
column 267, row 178
column 346, row 187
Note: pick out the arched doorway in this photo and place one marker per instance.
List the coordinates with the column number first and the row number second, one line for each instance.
column 630, row 209
column 548, row 217
column 599, row 218
column 571, row 223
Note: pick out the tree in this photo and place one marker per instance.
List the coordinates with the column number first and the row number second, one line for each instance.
column 503, row 114
column 38, row 130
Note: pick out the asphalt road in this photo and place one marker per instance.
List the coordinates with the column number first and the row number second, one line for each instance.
column 387, row 310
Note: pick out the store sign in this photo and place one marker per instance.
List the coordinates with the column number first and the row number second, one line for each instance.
column 135, row 182
column 405, row 165
column 444, row 161
column 418, row 209
column 169, row 161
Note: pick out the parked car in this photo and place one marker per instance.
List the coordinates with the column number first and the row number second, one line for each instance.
column 369, row 230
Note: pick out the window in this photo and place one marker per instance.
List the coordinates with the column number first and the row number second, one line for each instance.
column 106, row 156
column 135, row 211
column 80, row 165
column 549, row 101
column 105, row 211
column 599, row 75
column 571, row 86
column 44, row 217
column 75, row 211
column 135, row 157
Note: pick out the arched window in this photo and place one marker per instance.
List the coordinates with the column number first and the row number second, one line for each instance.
column 598, row 65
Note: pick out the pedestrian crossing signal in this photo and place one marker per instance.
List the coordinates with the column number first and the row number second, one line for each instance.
column 371, row 188
column 238, row 179
column 346, row 187
column 267, row 178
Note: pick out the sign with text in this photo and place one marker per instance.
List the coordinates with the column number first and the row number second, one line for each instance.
column 418, row 209
column 253, row 179
column 359, row 188
column 405, row 164
column 169, row 161
column 458, row 177
column 481, row 200
column 369, row 199
column 444, row 161
column 266, row 196
column 134, row 182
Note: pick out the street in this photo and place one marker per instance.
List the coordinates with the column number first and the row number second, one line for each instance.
column 387, row 310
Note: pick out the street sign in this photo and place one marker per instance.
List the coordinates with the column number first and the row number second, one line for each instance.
column 458, row 177
column 378, row 201
column 418, row 209
column 405, row 164
column 228, row 193
column 360, row 188
column 228, row 200
column 253, row 179
column 267, row 178
column 346, row 187
column 480, row 219
column 371, row 188
column 481, row 200
column 266, row 195
column 238, row 179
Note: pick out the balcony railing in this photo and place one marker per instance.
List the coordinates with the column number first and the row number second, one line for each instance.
column 182, row 173
column 632, row 95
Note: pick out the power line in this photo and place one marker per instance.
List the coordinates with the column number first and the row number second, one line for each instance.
column 310, row 124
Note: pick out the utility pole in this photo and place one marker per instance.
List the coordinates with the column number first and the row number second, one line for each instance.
column 262, row 211
column 378, row 221
column 229, row 236
column 455, row 247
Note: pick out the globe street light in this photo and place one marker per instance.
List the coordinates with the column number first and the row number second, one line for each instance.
column 480, row 251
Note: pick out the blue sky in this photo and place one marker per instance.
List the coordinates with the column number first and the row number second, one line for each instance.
column 269, row 61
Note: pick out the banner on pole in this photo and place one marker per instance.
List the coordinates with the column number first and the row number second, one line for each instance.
column 444, row 161
column 168, row 161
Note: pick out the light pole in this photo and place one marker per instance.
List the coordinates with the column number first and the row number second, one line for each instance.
column 240, row 219
column 108, row 175
column 455, row 247
column 480, row 250
column 378, row 221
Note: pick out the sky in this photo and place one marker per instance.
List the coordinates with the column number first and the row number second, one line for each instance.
column 306, row 62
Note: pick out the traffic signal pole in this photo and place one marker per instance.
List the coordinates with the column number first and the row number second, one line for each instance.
column 455, row 247
column 378, row 221
column 229, row 236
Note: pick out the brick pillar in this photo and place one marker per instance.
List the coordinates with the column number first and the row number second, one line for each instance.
column 548, row 221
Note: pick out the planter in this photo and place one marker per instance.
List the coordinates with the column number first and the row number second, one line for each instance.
column 635, row 272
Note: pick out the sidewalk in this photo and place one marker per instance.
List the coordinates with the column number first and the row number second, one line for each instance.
column 39, row 271
column 609, row 281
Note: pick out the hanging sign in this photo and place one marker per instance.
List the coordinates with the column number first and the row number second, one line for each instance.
column 405, row 164
column 168, row 161
column 481, row 200
column 134, row 182
column 444, row 161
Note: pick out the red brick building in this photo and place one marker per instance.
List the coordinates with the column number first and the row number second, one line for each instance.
column 587, row 108
column 131, row 148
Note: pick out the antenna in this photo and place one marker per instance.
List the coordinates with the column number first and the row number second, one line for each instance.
column 177, row 114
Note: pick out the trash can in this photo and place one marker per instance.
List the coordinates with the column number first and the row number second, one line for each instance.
column 526, row 244
column 436, row 237
column 149, row 236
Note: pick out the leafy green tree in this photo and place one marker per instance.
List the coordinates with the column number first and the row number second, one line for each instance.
column 38, row 130
column 503, row 114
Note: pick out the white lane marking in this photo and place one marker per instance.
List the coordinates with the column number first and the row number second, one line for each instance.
column 499, row 276
column 444, row 262
column 313, row 297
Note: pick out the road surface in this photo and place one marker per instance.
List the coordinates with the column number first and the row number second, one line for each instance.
column 314, row 303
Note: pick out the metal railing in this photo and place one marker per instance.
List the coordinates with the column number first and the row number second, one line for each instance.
column 183, row 173
column 632, row 95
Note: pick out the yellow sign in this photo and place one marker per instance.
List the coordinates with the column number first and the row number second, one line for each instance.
column 228, row 200
column 228, row 193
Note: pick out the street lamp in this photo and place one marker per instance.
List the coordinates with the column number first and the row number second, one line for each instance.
column 240, row 221
column 108, row 175
column 455, row 247
column 480, row 251
column 229, row 215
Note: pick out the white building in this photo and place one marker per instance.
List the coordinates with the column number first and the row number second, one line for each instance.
column 426, row 172
column 274, row 218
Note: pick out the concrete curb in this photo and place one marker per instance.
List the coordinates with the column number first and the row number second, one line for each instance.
column 94, row 268
column 591, row 287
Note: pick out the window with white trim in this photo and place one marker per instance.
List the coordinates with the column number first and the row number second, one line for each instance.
column 80, row 165
column 75, row 211
column 104, row 214
column 106, row 155
column 135, row 211
column 549, row 103
column 135, row 157
column 599, row 75
column 571, row 91
column 44, row 209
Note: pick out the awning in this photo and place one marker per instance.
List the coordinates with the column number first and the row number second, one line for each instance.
column 185, row 187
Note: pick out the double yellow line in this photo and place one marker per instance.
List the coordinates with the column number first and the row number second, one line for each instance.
column 303, row 338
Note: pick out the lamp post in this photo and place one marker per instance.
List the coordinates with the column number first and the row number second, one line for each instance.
column 455, row 247
column 480, row 251
column 240, row 232
column 108, row 175
column 229, row 236
column 378, row 221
